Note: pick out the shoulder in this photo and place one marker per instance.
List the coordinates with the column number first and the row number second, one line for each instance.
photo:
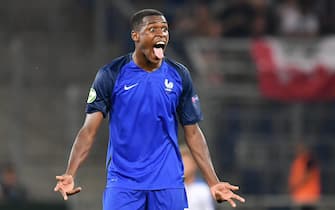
column 107, row 74
column 115, row 65
column 176, row 65
column 180, row 68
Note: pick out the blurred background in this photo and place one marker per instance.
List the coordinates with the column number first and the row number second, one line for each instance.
column 263, row 69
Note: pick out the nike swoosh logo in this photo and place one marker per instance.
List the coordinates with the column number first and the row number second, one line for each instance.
column 130, row 87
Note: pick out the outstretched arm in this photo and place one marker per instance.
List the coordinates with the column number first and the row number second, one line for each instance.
column 221, row 191
column 79, row 152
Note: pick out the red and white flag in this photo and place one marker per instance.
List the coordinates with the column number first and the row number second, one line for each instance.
column 295, row 72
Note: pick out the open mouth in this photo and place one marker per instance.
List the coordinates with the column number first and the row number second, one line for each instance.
column 159, row 46
column 159, row 49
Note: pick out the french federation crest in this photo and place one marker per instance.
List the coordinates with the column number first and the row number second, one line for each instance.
column 168, row 85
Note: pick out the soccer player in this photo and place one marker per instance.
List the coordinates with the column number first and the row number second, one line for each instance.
column 144, row 94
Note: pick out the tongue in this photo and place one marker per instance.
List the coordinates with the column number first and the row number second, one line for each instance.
column 159, row 52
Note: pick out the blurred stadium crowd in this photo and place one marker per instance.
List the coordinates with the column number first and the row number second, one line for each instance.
column 210, row 18
column 244, row 18
column 51, row 51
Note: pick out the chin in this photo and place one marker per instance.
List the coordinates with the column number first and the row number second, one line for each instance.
column 152, row 59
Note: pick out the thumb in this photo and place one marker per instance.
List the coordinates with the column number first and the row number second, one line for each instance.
column 74, row 191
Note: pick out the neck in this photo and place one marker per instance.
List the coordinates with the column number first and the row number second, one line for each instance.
column 141, row 61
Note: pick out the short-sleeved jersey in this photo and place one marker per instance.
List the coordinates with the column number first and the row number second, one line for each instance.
column 143, row 109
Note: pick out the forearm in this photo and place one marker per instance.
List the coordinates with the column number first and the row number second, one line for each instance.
column 199, row 149
column 79, row 151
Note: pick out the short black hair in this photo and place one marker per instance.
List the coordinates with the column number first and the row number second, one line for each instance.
column 137, row 18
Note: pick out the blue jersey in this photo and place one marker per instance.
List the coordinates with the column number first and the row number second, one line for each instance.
column 144, row 109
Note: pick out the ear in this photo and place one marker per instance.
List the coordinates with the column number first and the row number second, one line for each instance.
column 134, row 36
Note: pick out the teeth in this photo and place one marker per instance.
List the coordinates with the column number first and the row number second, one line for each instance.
column 160, row 42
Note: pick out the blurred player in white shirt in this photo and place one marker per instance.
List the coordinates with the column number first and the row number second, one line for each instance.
column 198, row 193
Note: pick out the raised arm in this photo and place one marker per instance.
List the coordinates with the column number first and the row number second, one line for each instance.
column 79, row 152
column 221, row 191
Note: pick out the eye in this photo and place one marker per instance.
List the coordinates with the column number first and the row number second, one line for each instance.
column 152, row 29
column 165, row 29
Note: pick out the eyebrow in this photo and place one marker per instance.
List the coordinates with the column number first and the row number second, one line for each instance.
column 157, row 22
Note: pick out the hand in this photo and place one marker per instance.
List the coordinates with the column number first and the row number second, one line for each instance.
column 223, row 191
column 65, row 185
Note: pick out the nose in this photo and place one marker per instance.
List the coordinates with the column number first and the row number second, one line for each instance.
column 160, row 32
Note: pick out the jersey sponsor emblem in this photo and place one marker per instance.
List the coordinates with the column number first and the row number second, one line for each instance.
column 130, row 86
column 91, row 96
column 168, row 85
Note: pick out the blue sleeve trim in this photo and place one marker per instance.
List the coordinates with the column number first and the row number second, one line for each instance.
column 188, row 110
column 103, row 86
